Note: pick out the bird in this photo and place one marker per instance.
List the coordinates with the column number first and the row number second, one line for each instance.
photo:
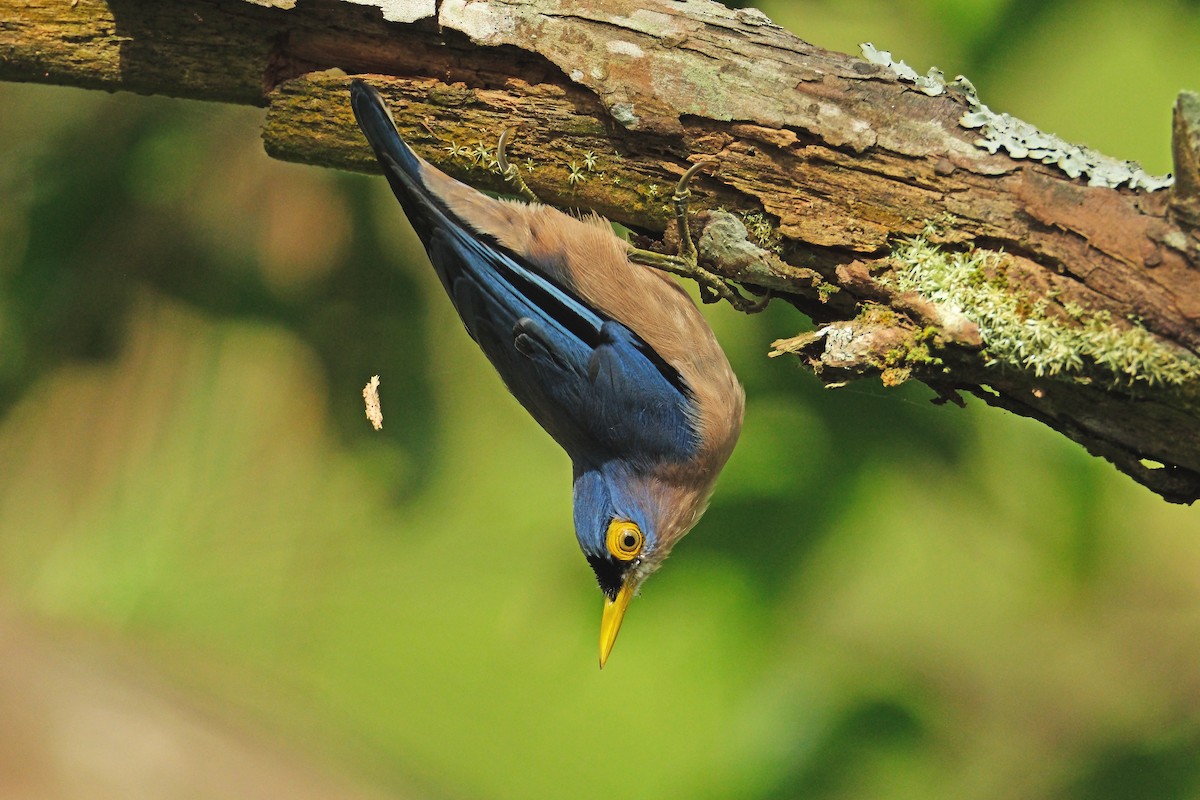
column 611, row 357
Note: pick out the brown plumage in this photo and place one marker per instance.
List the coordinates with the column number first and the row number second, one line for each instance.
column 612, row 358
column 585, row 254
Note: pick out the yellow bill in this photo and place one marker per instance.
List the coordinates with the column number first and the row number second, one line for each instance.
column 610, row 622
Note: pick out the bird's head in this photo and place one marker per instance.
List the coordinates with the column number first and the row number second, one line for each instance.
column 627, row 520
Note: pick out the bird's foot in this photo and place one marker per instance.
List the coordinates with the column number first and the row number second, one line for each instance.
column 712, row 286
column 685, row 262
column 510, row 172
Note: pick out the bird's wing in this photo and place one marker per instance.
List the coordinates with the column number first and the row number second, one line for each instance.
column 592, row 383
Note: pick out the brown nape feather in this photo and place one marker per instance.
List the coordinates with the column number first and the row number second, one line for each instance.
column 587, row 257
column 678, row 494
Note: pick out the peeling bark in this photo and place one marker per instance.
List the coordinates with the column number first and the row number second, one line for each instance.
column 834, row 164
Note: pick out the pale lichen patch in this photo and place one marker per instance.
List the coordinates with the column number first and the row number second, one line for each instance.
column 484, row 23
column 932, row 83
column 645, row 20
column 399, row 10
column 1019, row 139
column 755, row 17
column 1021, row 331
column 623, row 113
column 623, row 48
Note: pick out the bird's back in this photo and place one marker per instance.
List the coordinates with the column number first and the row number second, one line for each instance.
column 611, row 357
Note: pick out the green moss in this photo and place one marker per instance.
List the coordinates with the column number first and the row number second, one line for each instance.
column 921, row 351
column 581, row 126
column 826, row 290
column 451, row 96
column 764, row 234
column 877, row 315
column 916, row 352
column 939, row 225
column 1018, row 330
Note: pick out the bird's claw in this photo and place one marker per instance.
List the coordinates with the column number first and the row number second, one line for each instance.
column 509, row 171
column 687, row 248
column 685, row 263
column 713, row 288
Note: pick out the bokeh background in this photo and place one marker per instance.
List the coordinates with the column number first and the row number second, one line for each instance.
column 217, row 581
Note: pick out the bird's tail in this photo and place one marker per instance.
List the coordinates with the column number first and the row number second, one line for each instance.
column 431, row 199
column 408, row 175
column 380, row 129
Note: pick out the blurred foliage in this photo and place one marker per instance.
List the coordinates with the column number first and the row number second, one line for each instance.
column 886, row 599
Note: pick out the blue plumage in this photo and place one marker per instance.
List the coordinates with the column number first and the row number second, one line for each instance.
column 593, row 384
column 567, row 321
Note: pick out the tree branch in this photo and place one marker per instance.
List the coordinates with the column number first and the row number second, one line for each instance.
column 929, row 237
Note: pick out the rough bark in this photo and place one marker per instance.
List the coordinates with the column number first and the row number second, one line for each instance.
column 925, row 235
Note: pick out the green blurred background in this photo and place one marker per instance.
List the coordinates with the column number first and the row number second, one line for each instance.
column 885, row 600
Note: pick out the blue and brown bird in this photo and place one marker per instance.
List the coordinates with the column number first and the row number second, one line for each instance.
column 611, row 357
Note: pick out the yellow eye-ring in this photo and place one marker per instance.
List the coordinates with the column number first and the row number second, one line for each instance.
column 624, row 540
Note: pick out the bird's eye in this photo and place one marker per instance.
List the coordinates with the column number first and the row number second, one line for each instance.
column 624, row 540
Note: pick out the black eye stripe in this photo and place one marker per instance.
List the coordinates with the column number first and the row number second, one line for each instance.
column 610, row 574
